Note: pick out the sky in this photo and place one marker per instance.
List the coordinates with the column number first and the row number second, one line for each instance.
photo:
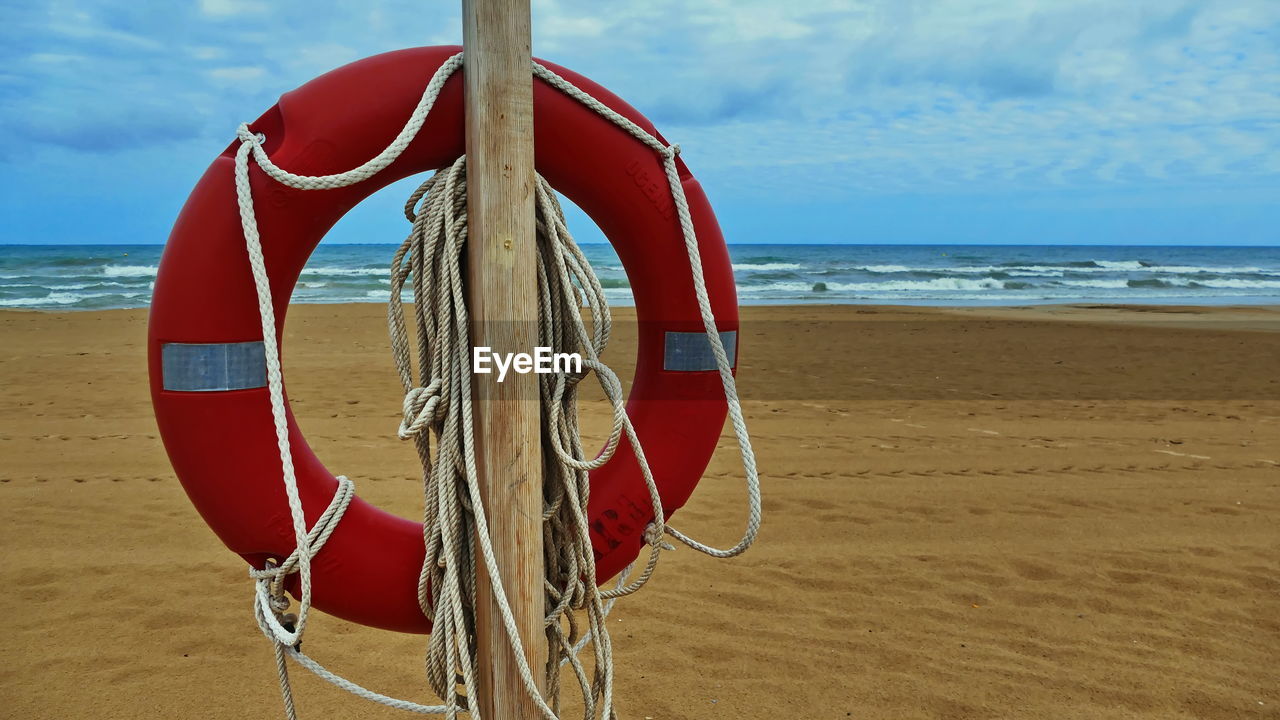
column 810, row 121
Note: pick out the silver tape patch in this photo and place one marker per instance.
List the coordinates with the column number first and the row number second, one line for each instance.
column 213, row 367
column 691, row 351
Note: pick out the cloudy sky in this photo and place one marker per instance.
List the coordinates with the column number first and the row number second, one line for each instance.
column 866, row 121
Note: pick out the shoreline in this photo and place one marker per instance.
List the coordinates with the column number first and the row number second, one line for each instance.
column 1057, row 307
column 100, row 277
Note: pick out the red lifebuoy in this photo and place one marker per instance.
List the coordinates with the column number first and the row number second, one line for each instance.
column 204, row 340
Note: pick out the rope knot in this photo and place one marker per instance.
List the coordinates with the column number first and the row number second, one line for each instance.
column 653, row 534
column 421, row 409
column 671, row 151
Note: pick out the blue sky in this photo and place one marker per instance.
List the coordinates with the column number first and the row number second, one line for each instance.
column 865, row 121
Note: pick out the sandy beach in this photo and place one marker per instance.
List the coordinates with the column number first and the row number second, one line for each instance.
column 1060, row 512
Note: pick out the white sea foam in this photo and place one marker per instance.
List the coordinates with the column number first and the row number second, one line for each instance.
column 775, row 287
column 82, row 286
column 1027, row 271
column 934, row 285
column 765, row 267
column 50, row 299
column 1238, row 284
column 1119, row 264
column 1194, row 270
column 944, row 284
column 119, row 271
column 1106, row 284
column 892, row 269
column 346, row 271
column 1031, row 272
column 1016, row 271
column 1102, row 266
column 61, row 298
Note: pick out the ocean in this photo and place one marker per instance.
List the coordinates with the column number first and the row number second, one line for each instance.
column 90, row 277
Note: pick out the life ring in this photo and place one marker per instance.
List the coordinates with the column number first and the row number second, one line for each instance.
column 204, row 345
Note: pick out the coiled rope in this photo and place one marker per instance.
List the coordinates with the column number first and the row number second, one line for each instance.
column 455, row 529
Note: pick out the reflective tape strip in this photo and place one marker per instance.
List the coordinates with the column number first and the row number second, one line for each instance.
column 691, row 351
column 213, row 367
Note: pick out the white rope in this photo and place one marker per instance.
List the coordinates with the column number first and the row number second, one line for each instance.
column 723, row 366
column 455, row 524
column 455, row 527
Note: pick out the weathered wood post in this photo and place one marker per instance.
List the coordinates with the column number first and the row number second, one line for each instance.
column 502, row 289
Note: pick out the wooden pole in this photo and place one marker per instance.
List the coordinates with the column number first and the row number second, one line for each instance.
column 502, row 289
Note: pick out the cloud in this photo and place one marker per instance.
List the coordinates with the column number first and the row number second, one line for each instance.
column 772, row 102
column 236, row 74
column 955, row 97
column 81, row 129
column 231, row 8
column 318, row 58
column 52, row 58
column 206, row 52
column 562, row 28
column 81, row 27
